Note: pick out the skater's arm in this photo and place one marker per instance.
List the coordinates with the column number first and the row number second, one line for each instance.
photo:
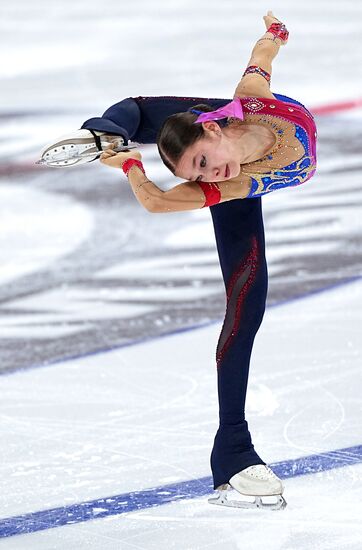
column 262, row 55
column 145, row 191
column 188, row 195
column 191, row 195
column 254, row 84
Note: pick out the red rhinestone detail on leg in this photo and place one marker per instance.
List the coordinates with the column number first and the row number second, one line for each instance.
column 250, row 264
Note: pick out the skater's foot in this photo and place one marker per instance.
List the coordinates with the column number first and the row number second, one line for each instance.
column 257, row 481
column 77, row 147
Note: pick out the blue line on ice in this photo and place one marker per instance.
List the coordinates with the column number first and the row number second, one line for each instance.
column 147, row 498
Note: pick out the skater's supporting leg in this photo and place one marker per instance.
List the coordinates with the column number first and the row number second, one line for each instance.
column 239, row 233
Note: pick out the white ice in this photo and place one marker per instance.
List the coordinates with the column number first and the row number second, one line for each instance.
column 145, row 415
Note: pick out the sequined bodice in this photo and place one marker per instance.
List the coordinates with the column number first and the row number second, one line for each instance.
column 292, row 160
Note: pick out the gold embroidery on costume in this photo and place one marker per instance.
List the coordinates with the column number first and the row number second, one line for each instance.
column 294, row 174
column 266, row 174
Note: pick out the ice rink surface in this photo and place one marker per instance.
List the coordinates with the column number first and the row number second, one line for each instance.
column 110, row 315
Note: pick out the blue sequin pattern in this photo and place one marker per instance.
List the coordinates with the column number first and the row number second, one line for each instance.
column 294, row 174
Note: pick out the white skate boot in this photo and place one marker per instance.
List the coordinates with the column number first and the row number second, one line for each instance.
column 79, row 147
column 256, row 481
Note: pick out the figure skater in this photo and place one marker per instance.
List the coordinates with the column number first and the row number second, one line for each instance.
column 228, row 151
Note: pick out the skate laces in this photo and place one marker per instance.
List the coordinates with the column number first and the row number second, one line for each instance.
column 260, row 471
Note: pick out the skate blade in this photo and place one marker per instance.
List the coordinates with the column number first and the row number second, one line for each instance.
column 222, row 500
column 54, row 161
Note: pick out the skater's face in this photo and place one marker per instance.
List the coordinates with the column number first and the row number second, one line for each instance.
column 212, row 158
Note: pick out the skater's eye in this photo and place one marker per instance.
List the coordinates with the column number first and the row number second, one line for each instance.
column 202, row 165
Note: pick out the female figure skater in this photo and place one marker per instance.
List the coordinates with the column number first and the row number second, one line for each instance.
column 228, row 151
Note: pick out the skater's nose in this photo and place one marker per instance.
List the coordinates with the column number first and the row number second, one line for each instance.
column 212, row 174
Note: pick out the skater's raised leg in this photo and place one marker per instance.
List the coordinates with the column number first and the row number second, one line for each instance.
column 135, row 119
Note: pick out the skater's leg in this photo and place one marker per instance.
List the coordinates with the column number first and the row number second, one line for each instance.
column 140, row 118
column 121, row 119
column 239, row 233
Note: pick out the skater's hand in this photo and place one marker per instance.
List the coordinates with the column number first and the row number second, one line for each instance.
column 114, row 159
column 269, row 19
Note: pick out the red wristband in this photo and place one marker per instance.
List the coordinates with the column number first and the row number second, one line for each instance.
column 211, row 192
column 128, row 163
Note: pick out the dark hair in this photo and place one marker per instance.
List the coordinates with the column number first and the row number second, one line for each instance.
column 179, row 132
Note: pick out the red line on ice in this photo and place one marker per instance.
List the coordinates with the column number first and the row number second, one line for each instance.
column 337, row 107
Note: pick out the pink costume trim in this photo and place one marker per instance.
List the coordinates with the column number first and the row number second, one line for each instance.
column 232, row 109
column 290, row 112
